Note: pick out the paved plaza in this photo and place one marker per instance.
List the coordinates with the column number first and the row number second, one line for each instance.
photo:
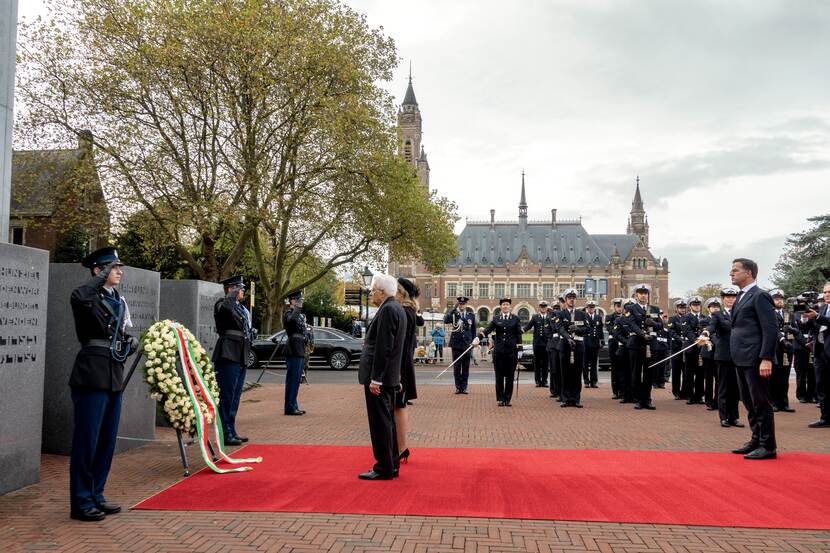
column 37, row 518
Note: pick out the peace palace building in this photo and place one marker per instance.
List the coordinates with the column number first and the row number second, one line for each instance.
column 529, row 261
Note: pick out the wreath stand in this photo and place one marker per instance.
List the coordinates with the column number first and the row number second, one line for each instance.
column 179, row 435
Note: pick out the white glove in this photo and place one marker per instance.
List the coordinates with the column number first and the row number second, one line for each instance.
column 476, row 341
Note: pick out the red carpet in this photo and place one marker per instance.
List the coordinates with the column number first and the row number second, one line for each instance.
column 710, row 489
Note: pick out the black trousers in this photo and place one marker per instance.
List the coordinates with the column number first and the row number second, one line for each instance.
column 381, row 412
column 678, row 369
column 805, row 376
column 505, row 366
column 822, row 365
column 780, row 383
column 695, row 375
column 540, row 364
column 755, row 397
column 555, row 373
column 727, row 391
column 571, row 367
column 613, row 350
column 589, row 370
column 461, row 369
column 641, row 375
column 710, row 374
column 658, row 372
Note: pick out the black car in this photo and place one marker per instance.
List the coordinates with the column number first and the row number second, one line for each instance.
column 332, row 349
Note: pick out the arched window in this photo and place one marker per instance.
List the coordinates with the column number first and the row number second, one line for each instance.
column 407, row 150
column 523, row 314
column 483, row 315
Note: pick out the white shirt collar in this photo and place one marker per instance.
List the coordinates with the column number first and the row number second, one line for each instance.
column 748, row 287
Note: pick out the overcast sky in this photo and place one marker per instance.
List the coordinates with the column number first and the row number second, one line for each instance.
column 721, row 108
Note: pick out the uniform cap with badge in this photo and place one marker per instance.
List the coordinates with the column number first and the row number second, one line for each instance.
column 569, row 292
column 642, row 287
column 730, row 290
column 235, row 281
column 712, row 301
column 777, row 293
column 101, row 258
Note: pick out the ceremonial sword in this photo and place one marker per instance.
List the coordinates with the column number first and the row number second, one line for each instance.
column 695, row 343
column 456, row 360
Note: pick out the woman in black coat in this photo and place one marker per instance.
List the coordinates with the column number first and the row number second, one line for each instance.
column 407, row 296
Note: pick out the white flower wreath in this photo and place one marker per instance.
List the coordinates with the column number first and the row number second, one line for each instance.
column 166, row 386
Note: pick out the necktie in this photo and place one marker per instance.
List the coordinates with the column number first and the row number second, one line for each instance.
column 740, row 295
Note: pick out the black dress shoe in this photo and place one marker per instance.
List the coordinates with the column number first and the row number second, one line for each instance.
column 109, row 508
column 760, row 454
column 501, row 404
column 92, row 514
column 787, row 409
column 711, row 408
column 577, row 405
column 464, row 392
column 638, row 406
column 507, row 404
column 233, row 441
column 243, row 439
column 615, row 396
column 737, row 424
column 563, row 405
column 802, row 400
column 296, row 413
column 725, row 424
column 372, row 475
column 650, row 406
column 821, row 423
column 594, row 385
column 458, row 390
column 746, row 448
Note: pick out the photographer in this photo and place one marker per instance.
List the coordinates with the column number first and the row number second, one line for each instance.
column 817, row 322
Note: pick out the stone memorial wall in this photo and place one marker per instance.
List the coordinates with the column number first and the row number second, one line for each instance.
column 140, row 288
column 191, row 302
column 24, row 280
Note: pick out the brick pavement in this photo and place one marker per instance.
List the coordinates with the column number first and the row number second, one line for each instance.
column 36, row 518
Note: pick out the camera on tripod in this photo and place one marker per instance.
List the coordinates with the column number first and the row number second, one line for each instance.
column 806, row 301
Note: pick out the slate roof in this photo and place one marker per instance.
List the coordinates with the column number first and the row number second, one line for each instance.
column 565, row 245
column 409, row 97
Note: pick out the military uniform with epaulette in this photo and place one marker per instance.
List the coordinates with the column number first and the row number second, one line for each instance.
column 506, row 343
column 572, row 326
column 297, row 340
column 613, row 347
column 462, row 328
column 805, row 376
column 541, row 325
column 594, row 340
column 710, row 367
column 97, row 382
column 694, row 374
column 659, row 353
column 676, row 328
column 553, row 357
column 642, row 322
column 785, row 349
column 230, row 356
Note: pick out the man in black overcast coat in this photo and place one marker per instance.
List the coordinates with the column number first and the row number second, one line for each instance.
column 752, row 344
column 380, row 374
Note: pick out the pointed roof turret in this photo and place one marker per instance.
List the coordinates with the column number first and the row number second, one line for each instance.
column 637, row 204
column 409, row 97
column 523, row 203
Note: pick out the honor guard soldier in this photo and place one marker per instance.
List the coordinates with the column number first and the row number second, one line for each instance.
column 719, row 331
column 805, row 375
column 571, row 324
column 817, row 322
column 296, row 331
column 642, row 321
column 611, row 327
column 541, row 324
column 506, row 343
column 594, row 339
column 462, row 327
column 659, row 352
column 676, row 328
column 553, row 353
column 694, row 362
column 707, row 353
column 780, row 380
column 101, row 319
column 230, row 356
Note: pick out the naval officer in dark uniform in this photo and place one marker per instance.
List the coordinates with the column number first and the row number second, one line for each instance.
column 613, row 347
column 572, row 325
column 508, row 339
column 101, row 319
column 293, row 321
column 233, row 324
column 462, row 327
column 541, row 325
column 642, row 321
column 594, row 340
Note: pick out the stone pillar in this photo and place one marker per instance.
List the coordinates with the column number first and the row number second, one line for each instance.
column 141, row 290
column 24, row 280
column 8, row 43
column 191, row 302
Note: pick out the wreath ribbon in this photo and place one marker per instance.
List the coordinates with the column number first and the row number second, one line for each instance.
column 197, row 388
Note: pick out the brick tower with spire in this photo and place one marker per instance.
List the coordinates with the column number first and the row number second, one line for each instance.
column 409, row 129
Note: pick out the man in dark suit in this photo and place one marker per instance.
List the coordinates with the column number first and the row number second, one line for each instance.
column 571, row 325
column 594, row 339
column 230, row 357
column 508, row 339
column 642, row 321
column 817, row 323
column 752, row 344
column 380, row 374
column 101, row 319
column 719, row 331
column 541, row 325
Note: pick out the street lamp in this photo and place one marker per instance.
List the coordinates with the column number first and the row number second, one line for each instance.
column 366, row 276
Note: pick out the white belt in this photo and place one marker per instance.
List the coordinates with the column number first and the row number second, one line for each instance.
column 662, row 340
column 578, row 338
column 556, row 335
